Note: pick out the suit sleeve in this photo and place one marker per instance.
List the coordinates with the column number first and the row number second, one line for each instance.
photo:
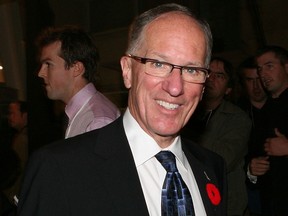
column 42, row 192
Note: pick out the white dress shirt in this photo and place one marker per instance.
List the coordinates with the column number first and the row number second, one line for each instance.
column 152, row 173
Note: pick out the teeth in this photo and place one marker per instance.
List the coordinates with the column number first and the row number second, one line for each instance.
column 266, row 82
column 168, row 105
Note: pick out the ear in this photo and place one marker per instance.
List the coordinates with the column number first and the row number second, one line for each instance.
column 228, row 91
column 78, row 69
column 126, row 71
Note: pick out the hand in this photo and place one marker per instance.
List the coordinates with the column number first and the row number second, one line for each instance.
column 277, row 146
column 259, row 166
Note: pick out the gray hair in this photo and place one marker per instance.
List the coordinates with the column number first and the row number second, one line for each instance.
column 137, row 27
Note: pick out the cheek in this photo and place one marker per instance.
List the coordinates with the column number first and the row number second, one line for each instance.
column 145, row 88
column 59, row 80
column 193, row 96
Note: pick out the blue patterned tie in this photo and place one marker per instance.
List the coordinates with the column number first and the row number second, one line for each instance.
column 176, row 198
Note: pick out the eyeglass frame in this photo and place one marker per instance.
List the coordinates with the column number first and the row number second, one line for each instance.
column 143, row 60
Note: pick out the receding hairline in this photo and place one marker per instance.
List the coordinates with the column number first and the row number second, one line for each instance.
column 163, row 16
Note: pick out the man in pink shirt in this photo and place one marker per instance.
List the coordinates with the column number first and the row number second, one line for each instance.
column 68, row 59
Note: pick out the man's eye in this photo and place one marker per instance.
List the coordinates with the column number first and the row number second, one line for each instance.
column 270, row 66
column 158, row 64
column 190, row 70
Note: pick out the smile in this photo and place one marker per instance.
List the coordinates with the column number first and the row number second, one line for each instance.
column 266, row 82
column 167, row 105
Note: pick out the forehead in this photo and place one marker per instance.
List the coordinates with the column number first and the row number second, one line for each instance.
column 250, row 72
column 14, row 106
column 177, row 35
column 217, row 66
column 51, row 49
column 266, row 58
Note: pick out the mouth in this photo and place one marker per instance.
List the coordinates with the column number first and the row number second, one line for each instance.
column 167, row 105
column 43, row 83
column 266, row 82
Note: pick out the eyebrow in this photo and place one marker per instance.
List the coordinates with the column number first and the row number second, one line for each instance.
column 45, row 60
column 218, row 72
column 156, row 56
column 266, row 63
column 270, row 62
column 252, row 78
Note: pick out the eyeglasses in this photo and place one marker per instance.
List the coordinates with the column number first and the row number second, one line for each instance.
column 163, row 69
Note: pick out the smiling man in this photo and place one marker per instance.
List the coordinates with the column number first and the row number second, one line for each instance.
column 139, row 165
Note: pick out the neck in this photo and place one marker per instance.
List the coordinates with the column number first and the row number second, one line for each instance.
column 276, row 94
column 258, row 104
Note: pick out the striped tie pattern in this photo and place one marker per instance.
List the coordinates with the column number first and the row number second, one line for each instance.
column 176, row 198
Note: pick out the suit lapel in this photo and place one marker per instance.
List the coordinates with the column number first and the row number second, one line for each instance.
column 203, row 176
column 120, row 177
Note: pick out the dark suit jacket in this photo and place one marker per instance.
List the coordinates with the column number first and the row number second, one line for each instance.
column 95, row 174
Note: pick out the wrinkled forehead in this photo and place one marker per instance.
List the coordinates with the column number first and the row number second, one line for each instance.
column 177, row 34
column 217, row 66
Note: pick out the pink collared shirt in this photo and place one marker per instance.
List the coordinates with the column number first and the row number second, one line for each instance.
column 88, row 110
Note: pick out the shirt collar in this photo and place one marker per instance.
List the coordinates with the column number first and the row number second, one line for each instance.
column 143, row 146
column 79, row 99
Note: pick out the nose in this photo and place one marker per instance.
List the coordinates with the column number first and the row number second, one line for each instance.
column 173, row 84
column 256, row 83
column 41, row 72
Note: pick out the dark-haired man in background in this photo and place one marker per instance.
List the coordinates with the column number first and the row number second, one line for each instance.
column 272, row 64
column 68, row 59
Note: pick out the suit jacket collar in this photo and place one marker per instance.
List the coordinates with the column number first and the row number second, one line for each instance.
column 203, row 174
column 117, row 164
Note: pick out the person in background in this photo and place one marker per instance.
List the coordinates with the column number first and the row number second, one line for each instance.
column 124, row 167
column 9, row 173
column 68, row 62
column 224, row 128
column 18, row 120
column 272, row 66
column 254, row 99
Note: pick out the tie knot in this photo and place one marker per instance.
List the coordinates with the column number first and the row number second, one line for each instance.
column 167, row 160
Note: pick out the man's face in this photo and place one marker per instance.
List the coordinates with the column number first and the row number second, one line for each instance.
column 162, row 106
column 57, row 79
column 253, row 85
column 217, row 84
column 17, row 120
column 273, row 74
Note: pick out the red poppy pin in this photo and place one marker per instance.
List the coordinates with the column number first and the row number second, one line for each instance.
column 213, row 194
